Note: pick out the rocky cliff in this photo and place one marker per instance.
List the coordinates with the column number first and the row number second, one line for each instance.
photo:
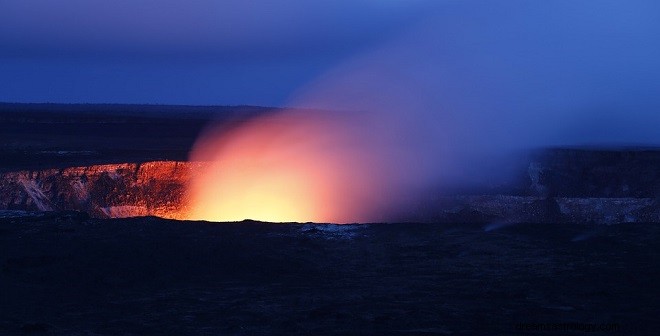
column 564, row 185
column 624, row 173
column 113, row 190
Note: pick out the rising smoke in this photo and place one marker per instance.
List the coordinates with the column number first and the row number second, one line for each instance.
column 441, row 105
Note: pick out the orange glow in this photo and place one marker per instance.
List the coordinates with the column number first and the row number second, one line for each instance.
column 289, row 167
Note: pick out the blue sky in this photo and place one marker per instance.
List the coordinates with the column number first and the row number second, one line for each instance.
column 476, row 61
column 184, row 52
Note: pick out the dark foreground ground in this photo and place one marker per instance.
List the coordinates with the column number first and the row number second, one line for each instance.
column 68, row 275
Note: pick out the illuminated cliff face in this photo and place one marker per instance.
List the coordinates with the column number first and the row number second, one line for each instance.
column 292, row 166
column 104, row 191
column 622, row 186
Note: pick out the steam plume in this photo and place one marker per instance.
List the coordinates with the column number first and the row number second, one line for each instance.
column 437, row 105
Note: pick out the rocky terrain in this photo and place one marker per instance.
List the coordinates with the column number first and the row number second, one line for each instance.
column 527, row 257
column 66, row 274
column 590, row 186
column 130, row 160
column 103, row 191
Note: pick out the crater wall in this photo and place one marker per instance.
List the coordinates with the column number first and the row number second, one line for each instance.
column 561, row 185
column 112, row 190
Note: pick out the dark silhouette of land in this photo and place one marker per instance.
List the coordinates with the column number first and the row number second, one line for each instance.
column 34, row 136
column 69, row 275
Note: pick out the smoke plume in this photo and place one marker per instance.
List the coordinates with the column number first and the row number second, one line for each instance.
column 441, row 105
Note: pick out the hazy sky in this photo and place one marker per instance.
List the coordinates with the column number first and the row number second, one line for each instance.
column 470, row 54
column 184, row 52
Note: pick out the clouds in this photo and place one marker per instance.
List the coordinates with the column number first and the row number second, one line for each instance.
column 468, row 55
column 202, row 27
column 184, row 52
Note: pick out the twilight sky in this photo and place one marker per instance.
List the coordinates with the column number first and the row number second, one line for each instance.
column 462, row 54
column 253, row 52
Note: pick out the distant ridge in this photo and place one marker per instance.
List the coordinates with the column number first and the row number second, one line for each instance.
column 131, row 109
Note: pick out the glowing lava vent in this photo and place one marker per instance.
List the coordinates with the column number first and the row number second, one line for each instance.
column 293, row 166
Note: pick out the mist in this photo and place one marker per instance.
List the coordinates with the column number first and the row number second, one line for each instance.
column 448, row 101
